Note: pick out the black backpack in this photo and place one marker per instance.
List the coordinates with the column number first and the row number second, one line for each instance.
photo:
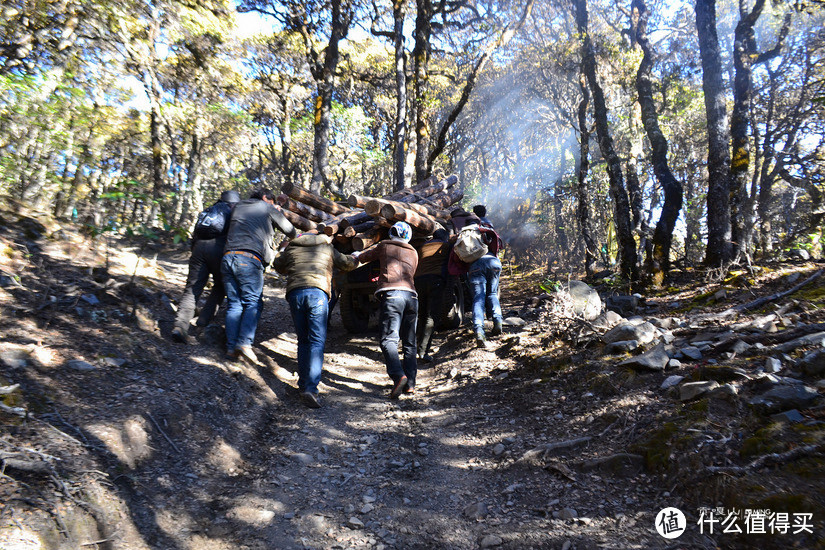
column 214, row 221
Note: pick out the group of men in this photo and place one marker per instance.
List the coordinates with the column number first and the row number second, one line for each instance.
column 410, row 286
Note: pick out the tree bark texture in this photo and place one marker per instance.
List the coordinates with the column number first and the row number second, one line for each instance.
column 658, row 263
column 621, row 203
column 582, row 193
column 719, row 248
column 421, row 60
column 400, row 137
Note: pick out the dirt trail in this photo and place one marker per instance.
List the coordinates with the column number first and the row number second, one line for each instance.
column 152, row 444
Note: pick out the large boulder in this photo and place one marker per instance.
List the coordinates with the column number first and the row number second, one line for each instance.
column 585, row 301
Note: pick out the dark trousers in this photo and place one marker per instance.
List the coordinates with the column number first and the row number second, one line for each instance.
column 399, row 312
column 430, row 290
column 204, row 261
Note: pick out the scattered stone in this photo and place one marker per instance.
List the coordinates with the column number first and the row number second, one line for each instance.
column 655, row 359
column 567, row 545
column 490, row 541
column 476, row 511
column 692, row 390
column 664, row 324
column 586, row 301
column 795, row 396
column 514, row 322
column 303, row 458
column 793, row 277
column 672, row 380
column 644, row 333
column 355, row 523
column 14, row 358
column 789, row 417
column 772, row 364
column 114, row 361
column 623, row 305
column 720, row 295
column 691, row 352
column 367, row 508
column 739, row 347
column 813, row 363
column 289, row 515
column 725, row 390
column 800, row 253
column 674, row 364
column 568, row 513
column 369, row 499
column 621, row 346
column 499, row 449
column 81, row 366
column 90, row 299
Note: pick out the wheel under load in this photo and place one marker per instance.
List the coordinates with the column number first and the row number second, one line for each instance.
column 452, row 305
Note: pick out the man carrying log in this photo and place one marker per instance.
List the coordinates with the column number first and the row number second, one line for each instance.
column 398, row 261
column 307, row 262
column 249, row 249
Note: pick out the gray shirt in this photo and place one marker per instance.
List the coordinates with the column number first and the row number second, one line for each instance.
column 252, row 228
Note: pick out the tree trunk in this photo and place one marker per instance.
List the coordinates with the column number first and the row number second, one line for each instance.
column 582, row 194
column 719, row 248
column 324, row 75
column 658, row 263
column 421, row 60
column 621, row 204
column 400, row 137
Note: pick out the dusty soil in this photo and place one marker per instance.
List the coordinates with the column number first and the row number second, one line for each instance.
column 147, row 443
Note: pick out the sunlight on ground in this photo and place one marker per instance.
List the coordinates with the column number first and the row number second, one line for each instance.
column 19, row 538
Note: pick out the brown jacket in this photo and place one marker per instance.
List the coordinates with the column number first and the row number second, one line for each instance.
column 308, row 262
column 398, row 261
column 432, row 257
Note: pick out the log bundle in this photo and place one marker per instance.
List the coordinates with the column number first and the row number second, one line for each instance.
column 364, row 221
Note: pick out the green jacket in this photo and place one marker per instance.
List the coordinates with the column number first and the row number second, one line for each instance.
column 308, row 260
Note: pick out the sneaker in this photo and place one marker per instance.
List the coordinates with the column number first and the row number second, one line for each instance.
column 246, row 353
column 180, row 334
column 496, row 327
column 231, row 355
column 398, row 387
column 481, row 340
column 311, row 400
column 409, row 389
column 426, row 359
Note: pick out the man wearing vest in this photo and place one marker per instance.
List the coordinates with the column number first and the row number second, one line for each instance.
column 249, row 249
column 204, row 261
column 307, row 262
column 399, row 304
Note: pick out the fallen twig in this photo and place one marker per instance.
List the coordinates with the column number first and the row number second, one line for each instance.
column 773, row 297
column 773, row 458
column 172, row 443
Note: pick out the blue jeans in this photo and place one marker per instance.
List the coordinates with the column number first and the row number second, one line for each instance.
column 310, row 310
column 399, row 313
column 483, row 277
column 243, row 279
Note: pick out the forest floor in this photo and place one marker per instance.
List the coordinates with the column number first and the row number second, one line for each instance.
column 114, row 436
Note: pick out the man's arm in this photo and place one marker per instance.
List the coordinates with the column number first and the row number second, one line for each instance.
column 281, row 223
column 343, row 261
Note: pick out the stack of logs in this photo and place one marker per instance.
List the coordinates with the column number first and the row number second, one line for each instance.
column 426, row 207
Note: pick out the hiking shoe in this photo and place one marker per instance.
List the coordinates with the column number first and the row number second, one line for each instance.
column 311, row 400
column 398, row 387
column 426, row 358
column 409, row 388
column 231, row 355
column 181, row 335
column 496, row 327
column 246, row 353
column 481, row 340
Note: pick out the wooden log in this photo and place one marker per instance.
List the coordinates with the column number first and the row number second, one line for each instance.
column 410, row 194
column 392, row 209
column 310, row 213
column 368, row 238
column 446, row 198
column 373, row 206
column 299, row 221
column 310, row 198
column 352, row 230
column 331, row 226
column 422, row 222
column 354, row 219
